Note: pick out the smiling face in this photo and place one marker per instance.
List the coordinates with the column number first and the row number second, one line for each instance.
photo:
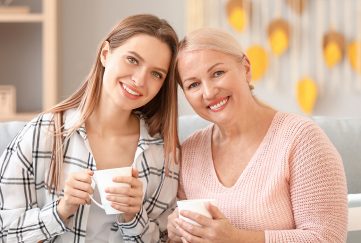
column 215, row 84
column 134, row 72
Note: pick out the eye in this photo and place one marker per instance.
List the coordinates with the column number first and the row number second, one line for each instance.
column 132, row 60
column 218, row 74
column 157, row 75
column 193, row 85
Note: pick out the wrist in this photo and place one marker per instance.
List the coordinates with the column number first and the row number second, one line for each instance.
column 63, row 211
column 127, row 217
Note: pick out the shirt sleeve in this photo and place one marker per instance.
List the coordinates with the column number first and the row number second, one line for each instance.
column 21, row 219
column 150, row 224
column 318, row 190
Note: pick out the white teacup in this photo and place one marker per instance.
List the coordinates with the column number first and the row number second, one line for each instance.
column 104, row 179
column 197, row 206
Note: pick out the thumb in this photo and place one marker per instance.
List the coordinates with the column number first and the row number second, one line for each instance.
column 215, row 212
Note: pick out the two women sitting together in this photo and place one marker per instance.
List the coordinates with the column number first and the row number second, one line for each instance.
column 276, row 177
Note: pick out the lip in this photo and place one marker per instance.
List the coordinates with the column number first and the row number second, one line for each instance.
column 129, row 95
column 215, row 102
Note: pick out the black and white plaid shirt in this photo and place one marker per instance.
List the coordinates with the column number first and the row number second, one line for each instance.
column 28, row 211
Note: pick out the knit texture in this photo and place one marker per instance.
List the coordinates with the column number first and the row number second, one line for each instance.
column 293, row 188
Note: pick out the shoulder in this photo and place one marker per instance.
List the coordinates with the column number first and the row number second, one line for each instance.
column 40, row 123
column 307, row 137
column 197, row 139
column 295, row 126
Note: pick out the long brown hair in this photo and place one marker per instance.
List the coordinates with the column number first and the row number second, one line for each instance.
column 160, row 113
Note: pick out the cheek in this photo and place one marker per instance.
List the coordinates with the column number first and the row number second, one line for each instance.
column 193, row 99
column 155, row 87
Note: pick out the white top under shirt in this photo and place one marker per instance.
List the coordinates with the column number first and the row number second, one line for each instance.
column 99, row 223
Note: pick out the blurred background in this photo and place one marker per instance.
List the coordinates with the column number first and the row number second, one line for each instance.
column 306, row 55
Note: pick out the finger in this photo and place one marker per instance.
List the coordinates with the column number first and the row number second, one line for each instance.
column 187, row 236
column 82, row 176
column 133, row 182
column 125, row 191
column 174, row 227
column 193, row 229
column 70, row 200
column 76, row 193
column 184, row 240
column 131, row 201
column 199, row 218
column 215, row 212
column 79, row 185
column 125, row 208
column 135, row 173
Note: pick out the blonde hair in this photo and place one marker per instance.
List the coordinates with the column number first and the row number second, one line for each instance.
column 160, row 113
column 210, row 39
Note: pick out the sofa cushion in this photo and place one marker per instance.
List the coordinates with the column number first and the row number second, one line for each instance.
column 345, row 134
column 8, row 131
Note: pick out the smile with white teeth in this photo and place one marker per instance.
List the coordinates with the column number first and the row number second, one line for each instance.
column 132, row 92
column 218, row 105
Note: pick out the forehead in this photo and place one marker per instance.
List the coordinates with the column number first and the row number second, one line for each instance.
column 204, row 55
column 193, row 61
column 150, row 48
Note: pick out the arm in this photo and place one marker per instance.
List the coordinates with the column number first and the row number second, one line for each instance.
column 21, row 218
column 318, row 191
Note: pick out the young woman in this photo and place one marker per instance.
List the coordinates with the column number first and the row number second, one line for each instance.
column 124, row 114
column 276, row 176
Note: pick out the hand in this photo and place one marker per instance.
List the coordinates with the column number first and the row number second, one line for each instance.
column 76, row 192
column 217, row 229
column 127, row 199
column 173, row 233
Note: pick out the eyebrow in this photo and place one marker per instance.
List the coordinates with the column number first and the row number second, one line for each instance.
column 214, row 65
column 142, row 59
column 208, row 70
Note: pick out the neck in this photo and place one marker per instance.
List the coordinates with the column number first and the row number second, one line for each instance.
column 107, row 122
column 250, row 122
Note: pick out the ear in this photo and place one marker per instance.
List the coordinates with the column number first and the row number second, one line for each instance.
column 247, row 66
column 104, row 52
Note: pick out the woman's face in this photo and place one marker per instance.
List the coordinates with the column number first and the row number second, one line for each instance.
column 134, row 72
column 214, row 83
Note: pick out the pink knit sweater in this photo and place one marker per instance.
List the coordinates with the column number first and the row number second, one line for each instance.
column 293, row 187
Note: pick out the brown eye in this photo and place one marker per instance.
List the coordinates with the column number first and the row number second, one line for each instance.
column 157, row 75
column 132, row 60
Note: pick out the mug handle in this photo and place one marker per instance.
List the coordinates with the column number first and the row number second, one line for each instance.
column 94, row 201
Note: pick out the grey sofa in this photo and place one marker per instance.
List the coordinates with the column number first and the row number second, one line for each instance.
column 345, row 133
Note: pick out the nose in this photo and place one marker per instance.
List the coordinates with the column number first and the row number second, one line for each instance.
column 139, row 77
column 209, row 90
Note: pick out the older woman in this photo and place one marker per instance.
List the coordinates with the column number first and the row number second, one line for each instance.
column 276, row 176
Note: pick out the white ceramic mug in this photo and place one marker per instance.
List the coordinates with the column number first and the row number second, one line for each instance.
column 104, row 179
column 195, row 205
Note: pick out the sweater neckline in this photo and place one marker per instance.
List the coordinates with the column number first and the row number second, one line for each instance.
column 251, row 162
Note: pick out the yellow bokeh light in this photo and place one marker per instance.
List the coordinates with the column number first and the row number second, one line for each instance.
column 354, row 55
column 306, row 94
column 332, row 54
column 238, row 19
column 278, row 41
column 259, row 61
